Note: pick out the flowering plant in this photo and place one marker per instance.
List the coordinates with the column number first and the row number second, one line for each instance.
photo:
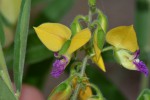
column 75, row 49
column 89, row 38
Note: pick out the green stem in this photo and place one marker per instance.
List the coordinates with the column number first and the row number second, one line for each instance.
column 99, row 93
column 76, row 92
column 90, row 19
column 107, row 48
column 75, row 95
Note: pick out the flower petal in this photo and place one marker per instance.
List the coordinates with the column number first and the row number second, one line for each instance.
column 141, row 67
column 56, row 29
column 123, row 37
column 79, row 40
column 125, row 59
column 100, row 62
column 59, row 66
column 53, row 35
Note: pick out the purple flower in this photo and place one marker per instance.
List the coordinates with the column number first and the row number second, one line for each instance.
column 59, row 66
column 140, row 64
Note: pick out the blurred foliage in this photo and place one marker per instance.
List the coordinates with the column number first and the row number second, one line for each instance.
column 57, row 9
column 108, row 89
column 37, row 73
column 144, row 95
column 142, row 24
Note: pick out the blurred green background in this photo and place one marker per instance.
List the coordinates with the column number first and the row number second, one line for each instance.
column 117, row 82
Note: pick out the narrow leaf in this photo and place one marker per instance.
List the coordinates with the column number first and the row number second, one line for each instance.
column 2, row 35
column 6, row 93
column 20, row 43
column 3, row 70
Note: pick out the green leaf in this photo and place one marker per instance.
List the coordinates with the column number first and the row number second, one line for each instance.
column 3, row 69
column 2, row 35
column 57, row 9
column 109, row 90
column 65, row 47
column 20, row 43
column 144, row 95
column 6, row 93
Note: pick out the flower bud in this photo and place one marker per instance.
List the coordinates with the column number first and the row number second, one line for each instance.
column 102, row 20
column 62, row 92
column 75, row 25
column 85, row 92
column 92, row 4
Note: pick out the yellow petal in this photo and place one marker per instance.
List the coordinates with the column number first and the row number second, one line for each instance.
column 100, row 63
column 10, row 9
column 53, row 35
column 57, row 29
column 125, row 59
column 123, row 37
column 79, row 40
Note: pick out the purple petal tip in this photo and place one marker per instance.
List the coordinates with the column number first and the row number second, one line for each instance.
column 141, row 67
column 59, row 67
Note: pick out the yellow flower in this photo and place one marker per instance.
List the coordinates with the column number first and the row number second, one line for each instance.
column 123, row 38
column 55, row 35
